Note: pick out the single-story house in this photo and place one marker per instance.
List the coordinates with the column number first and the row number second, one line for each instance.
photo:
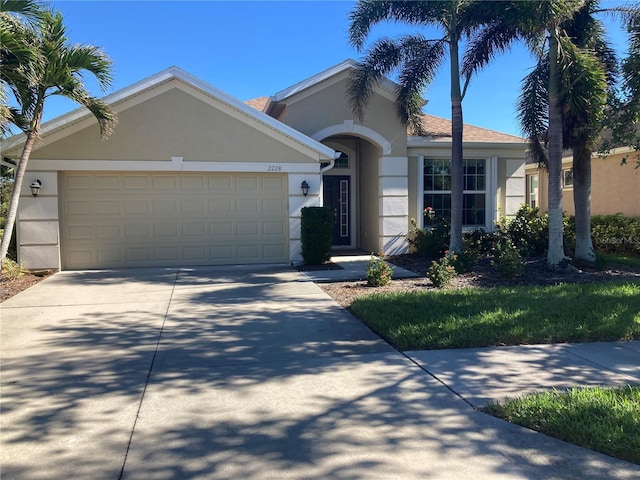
column 615, row 185
column 193, row 176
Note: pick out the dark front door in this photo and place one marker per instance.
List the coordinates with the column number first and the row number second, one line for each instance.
column 336, row 192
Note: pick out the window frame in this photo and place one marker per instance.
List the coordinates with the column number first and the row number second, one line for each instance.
column 533, row 192
column 489, row 167
column 566, row 171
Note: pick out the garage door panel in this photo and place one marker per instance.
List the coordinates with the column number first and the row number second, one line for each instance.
column 134, row 207
column 139, row 219
column 194, row 230
column 221, row 183
column 109, row 232
column 108, row 208
column 165, row 183
column 136, row 182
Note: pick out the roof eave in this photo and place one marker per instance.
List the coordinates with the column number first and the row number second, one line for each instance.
column 323, row 152
column 421, row 142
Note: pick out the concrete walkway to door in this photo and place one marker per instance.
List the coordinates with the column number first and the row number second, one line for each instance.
column 236, row 373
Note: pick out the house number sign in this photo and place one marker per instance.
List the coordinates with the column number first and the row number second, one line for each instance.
column 274, row 168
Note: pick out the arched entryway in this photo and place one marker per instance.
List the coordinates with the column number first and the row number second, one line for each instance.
column 354, row 188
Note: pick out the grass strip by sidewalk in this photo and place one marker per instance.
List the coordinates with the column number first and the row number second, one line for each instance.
column 478, row 317
column 606, row 420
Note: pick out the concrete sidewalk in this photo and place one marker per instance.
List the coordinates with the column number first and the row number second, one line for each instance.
column 254, row 372
column 351, row 268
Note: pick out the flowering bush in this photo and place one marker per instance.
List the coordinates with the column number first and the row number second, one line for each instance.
column 429, row 215
column 442, row 271
column 432, row 240
column 379, row 272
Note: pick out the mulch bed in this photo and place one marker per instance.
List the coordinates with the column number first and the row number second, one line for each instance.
column 535, row 273
column 318, row 268
column 11, row 286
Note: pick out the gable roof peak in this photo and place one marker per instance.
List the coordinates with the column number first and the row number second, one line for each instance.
column 314, row 79
column 168, row 75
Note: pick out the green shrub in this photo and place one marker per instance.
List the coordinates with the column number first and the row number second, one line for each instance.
column 528, row 230
column 480, row 241
column 315, row 233
column 441, row 272
column 11, row 269
column 508, row 260
column 616, row 234
column 431, row 241
column 379, row 272
column 466, row 260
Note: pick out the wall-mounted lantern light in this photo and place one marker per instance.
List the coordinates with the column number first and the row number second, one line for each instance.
column 305, row 188
column 36, row 185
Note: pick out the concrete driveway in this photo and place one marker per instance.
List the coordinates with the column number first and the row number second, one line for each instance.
column 238, row 373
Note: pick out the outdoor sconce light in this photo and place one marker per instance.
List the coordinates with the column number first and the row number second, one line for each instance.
column 305, row 188
column 36, row 185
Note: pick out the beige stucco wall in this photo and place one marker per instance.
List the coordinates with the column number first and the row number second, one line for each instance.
column 172, row 127
column 173, row 124
column 330, row 107
column 369, row 213
column 615, row 188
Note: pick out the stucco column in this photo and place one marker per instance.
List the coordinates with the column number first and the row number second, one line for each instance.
column 393, row 207
column 297, row 201
column 37, row 231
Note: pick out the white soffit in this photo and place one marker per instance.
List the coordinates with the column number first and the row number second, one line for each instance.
column 386, row 87
column 174, row 73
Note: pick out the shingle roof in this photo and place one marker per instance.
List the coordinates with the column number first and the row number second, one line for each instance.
column 259, row 103
column 440, row 129
column 436, row 127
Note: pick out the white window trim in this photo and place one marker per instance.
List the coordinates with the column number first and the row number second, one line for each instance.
column 564, row 185
column 491, row 180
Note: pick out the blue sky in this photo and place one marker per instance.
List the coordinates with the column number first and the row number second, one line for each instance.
column 256, row 48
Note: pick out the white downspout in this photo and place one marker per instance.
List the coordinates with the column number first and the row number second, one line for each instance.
column 332, row 163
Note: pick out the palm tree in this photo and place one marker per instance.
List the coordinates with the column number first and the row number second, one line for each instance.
column 588, row 71
column 541, row 25
column 590, row 75
column 623, row 112
column 418, row 60
column 17, row 19
column 57, row 68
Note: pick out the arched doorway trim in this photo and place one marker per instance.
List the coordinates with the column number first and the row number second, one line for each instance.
column 348, row 126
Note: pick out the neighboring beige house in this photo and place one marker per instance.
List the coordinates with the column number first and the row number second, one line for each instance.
column 615, row 188
column 193, row 176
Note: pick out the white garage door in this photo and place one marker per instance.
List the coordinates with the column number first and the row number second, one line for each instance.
column 141, row 219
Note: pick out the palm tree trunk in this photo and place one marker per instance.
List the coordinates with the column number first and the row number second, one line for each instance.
column 32, row 135
column 457, row 170
column 582, row 201
column 555, row 253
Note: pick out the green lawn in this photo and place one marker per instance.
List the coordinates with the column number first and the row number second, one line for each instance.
column 606, row 420
column 623, row 259
column 602, row 419
column 480, row 317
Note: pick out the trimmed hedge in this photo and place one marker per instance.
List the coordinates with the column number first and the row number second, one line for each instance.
column 316, row 234
column 616, row 234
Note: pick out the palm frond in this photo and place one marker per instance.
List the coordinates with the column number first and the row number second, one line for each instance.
column 384, row 56
column 422, row 61
column 367, row 13
column 486, row 44
column 91, row 59
column 533, row 110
